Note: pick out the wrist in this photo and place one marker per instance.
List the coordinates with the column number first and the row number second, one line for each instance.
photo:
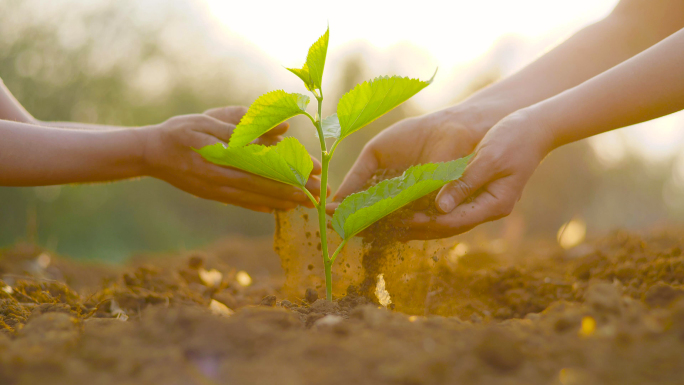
column 145, row 137
column 537, row 128
column 478, row 115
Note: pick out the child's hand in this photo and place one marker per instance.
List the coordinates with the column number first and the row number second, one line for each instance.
column 169, row 157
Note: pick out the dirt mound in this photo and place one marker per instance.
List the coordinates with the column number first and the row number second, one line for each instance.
column 611, row 312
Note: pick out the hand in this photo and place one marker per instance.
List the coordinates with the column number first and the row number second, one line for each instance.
column 169, row 157
column 495, row 177
column 441, row 136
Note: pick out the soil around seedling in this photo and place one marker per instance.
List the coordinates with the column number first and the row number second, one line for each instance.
column 383, row 234
column 609, row 311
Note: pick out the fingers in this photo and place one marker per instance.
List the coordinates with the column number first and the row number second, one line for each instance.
column 235, row 196
column 318, row 168
column 273, row 135
column 496, row 202
column 331, row 207
column 220, row 176
column 233, row 115
column 476, row 175
column 248, row 199
column 226, row 176
column 362, row 170
column 214, row 127
column 280, row 129
column 268, row 140
column 223, row 131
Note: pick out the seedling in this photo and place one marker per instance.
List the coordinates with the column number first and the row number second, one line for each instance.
column 289, row 162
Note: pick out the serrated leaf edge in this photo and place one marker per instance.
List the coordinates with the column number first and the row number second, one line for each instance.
column 302, row 102
column 382, row 185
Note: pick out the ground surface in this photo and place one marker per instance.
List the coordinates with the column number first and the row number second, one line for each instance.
column 610, row 311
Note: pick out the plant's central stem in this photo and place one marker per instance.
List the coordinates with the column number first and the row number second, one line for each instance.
column 322, row 220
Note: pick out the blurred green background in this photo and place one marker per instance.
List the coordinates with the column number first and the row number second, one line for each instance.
column 130, row 63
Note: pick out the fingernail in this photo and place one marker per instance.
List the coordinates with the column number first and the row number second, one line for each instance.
column 447, row 204
column 300, row 196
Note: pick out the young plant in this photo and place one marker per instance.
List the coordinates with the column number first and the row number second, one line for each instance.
column 289, row 162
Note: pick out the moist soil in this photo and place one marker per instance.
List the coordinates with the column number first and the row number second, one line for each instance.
column 610, row 311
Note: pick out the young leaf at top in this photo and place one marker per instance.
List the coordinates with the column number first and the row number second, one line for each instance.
column 372, row 99
column 268, row 111
column 287, row 162
column 311, row 72
column 362, row 209
column 303, row 74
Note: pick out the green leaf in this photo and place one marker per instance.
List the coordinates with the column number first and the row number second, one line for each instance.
column 372, row 99
column 362, row 209
column 331, row 127
column 268, row 111
column 303, row 74
column 312, row 71
column 287, row 162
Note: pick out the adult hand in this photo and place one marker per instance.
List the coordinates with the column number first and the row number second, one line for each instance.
column 492, row 183
column 437, row 137
column 493, row 180
column 169, row 157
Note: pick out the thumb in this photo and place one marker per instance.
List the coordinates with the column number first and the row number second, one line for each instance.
column 476, row 175
column 363, row 169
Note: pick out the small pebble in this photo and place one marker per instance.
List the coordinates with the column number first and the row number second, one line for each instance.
column 328, row 320
column 269, row 300
column 311, row 295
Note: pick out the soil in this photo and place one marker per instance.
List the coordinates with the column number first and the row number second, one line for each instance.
column 610, row 311
column 381, row 237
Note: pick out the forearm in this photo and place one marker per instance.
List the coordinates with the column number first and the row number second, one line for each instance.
column 31, row 155
column 631, row 28
column 11, row 109
column 645, row 87
column 78, row 126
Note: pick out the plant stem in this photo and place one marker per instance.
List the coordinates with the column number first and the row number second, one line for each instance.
column 337, row 251
column 322, row 220
column 311, row 197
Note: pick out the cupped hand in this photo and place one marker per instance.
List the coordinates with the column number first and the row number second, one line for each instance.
column 493, row 181
column 169, row 157
column 436, row 137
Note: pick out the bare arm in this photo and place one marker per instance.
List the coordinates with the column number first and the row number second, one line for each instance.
column 644, row 87
column 454, row 132
column 11, row 109
column 633, row 26
column 36, row 153
column 31, row 155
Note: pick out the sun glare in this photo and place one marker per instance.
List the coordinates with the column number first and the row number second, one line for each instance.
column 462, row 38
column 452, row 33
